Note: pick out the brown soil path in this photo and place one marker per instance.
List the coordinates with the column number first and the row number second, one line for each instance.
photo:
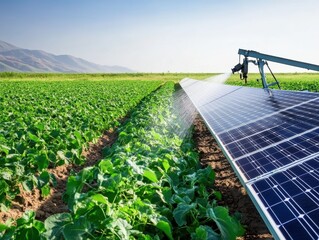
column 234, row 194
column 45, row 207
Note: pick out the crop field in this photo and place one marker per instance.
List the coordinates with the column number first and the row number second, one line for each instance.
column 46, row 124
column 288, row 81
column 147, row 184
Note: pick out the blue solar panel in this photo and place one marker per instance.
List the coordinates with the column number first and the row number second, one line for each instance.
column 272, row 141
column 258, row 134
column 291, row 198
column 248, row 105
column 282, row 154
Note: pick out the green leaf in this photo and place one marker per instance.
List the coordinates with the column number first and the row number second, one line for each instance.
column 229, row 227
column 6, row 174
column 53, row 179
column 99, row 198
column 39, row 225
column 78, row 135
column 13, row 156
column 166, row 165
column 186, row 192
column 181, row 211
column 206, row 176
column 4, row 148
column 106, row 166
column 73, row 185
column 122, row 228
column 55, row 225
column 156, row 136
column 28, row 233
column 28, row 184
column 9, row 234
column 205, row 233
column 45, row 191
column 166, row 228
column 76, row 230
column 62, row 156
column 43, row 179
column 55, row 133
column 165, row 194
column 4, row 187
column 26, row 218
column 3, row 227
column 200, row 234
column 34, row 137
column 28, row 227
column 42, row 161
column 150, row 175
column 218, row 195
column 39, row 126
column 138, row 169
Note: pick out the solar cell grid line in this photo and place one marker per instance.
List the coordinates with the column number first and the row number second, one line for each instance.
column 269, row 146
column 277, row 123
column 250, row 129
column 233, row 117
column 257, row 118
column 268, row 137
column 291, row 199
column 280, row 98
column 274, row 159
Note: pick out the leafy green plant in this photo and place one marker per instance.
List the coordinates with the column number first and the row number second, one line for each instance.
column 46, row 124
column 150, row 185
column 288, row 81
column 26, row 228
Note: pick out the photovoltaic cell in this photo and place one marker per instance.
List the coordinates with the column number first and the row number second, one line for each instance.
column 282, row 154
column 271, row 138
column 244, row 106
column 291, row 198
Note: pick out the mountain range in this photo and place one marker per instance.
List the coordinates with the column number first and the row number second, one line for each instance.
column 15, row 59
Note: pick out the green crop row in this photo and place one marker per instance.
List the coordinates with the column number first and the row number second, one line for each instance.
column 150, row 185
column 288, row 81
column 45, row 124
column 176, row 77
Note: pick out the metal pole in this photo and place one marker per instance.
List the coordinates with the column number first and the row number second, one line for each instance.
column 261, row 64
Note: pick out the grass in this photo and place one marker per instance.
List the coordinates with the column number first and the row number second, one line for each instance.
column 176, row 77
column 288, row 81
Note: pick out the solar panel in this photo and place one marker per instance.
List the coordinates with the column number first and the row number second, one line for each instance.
column 271, row 139
column 291, row 198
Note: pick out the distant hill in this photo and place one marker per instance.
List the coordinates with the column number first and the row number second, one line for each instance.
column 15, row 59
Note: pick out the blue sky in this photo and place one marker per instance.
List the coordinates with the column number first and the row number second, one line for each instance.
column 165, row 35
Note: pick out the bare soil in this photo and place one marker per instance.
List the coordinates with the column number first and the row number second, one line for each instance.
column 52, row 204
column 234, row 194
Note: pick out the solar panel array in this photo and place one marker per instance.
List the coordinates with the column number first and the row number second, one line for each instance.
column 271, row 139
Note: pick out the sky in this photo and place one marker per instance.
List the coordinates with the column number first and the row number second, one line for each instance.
column 165, row 35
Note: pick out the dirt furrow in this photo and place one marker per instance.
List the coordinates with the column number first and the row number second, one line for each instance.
column 52, row 204
column 234, row 195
